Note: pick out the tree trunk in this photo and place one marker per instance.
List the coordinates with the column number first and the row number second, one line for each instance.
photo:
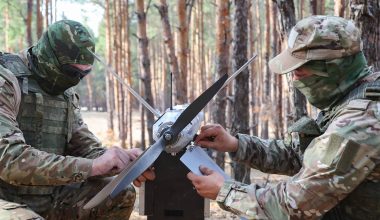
column 201, row 53
column 259, row 84
column 317, row 7
column 240, row 117
column 189, row 7
column 277, row 85
column 321, row 7
column 145, row 63
column 183, row 51
column 287, row 20
column 40, row 21
column 168, row 82
column 51, row 10
column 192, row 58
column 117, row 62
column 314, row 7
column 367, row 15
column 6, row 28
column 169, row 45
column 300, row 8
column 89, row 85
column 142, row 116
column 123, row 73
column 28, row 21
column 129, row 74
column 339, row 8
column 267, row 76
column 46, row 13
column 55, row 10
column 253, row 42
column 109, row 81
column 223, row 42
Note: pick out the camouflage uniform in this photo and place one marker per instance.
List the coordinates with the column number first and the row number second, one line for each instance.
column 46, row 149
column 333, row 161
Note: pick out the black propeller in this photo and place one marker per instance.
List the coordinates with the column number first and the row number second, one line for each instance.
column 146, row 159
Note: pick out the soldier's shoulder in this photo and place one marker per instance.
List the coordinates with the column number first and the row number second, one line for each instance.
column 359, row 121
column 6, row 75
column 13, row 66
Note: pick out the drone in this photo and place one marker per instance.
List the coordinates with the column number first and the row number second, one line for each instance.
column 173, row 131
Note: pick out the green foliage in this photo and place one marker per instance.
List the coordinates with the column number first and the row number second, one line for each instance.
column 16, row 30
column 329, row 7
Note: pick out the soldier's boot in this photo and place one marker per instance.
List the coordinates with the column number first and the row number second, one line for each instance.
column 70, row 200
column 15, row 211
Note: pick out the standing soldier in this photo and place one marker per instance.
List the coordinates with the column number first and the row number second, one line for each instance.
column 47, row 152
column 333, row 160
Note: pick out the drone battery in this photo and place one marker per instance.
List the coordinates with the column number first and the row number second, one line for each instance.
column 171, row 195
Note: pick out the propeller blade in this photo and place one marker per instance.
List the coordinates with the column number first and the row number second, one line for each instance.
column 196, row 106
column 130, row 173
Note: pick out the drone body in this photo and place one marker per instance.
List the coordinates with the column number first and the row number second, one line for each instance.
column 171, row 194
column 185, row 136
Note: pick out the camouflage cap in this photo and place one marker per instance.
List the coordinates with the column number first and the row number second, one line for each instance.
column 69, row 41
column 318, row 38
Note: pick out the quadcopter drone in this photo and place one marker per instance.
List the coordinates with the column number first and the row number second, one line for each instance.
column 172, row 132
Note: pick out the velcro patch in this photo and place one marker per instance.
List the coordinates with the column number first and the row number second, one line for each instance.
column 359, row 104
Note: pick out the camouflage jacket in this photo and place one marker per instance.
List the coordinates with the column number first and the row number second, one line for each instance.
column 21, row 164
column 341, row 166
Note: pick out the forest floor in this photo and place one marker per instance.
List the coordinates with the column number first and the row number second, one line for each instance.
column 97, row 123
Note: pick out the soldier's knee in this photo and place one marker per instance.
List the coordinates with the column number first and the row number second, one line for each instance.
column 11, row 210
column 119, row 207
column 126, row 197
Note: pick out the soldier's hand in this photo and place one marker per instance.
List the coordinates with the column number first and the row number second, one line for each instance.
column 134, row 153
column 216, row 137
column 113, row 161
column 208, row 185
column 147, row 175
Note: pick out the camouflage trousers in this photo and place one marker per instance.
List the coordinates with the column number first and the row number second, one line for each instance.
column 67, row 203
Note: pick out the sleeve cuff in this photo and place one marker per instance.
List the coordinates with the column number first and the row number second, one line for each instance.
column 240, row 153
column 224, row 191
column 82, row 170
column 241, row 199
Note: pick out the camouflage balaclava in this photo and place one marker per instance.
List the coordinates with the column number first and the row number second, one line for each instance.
column 331, row 79
column 65, row 42
column 330, row 48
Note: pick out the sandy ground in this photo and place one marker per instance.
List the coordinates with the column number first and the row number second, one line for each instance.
column 97, row 123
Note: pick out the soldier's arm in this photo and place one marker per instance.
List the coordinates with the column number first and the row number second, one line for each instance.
column 334, row 165
column 20, row 163
column 270, row 156
column 83, row 142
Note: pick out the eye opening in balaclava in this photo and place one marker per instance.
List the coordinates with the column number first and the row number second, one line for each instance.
column 74, row 72
column 317, row 67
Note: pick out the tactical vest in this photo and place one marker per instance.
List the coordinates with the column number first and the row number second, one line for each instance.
column 364, row 201
column 45, row 120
